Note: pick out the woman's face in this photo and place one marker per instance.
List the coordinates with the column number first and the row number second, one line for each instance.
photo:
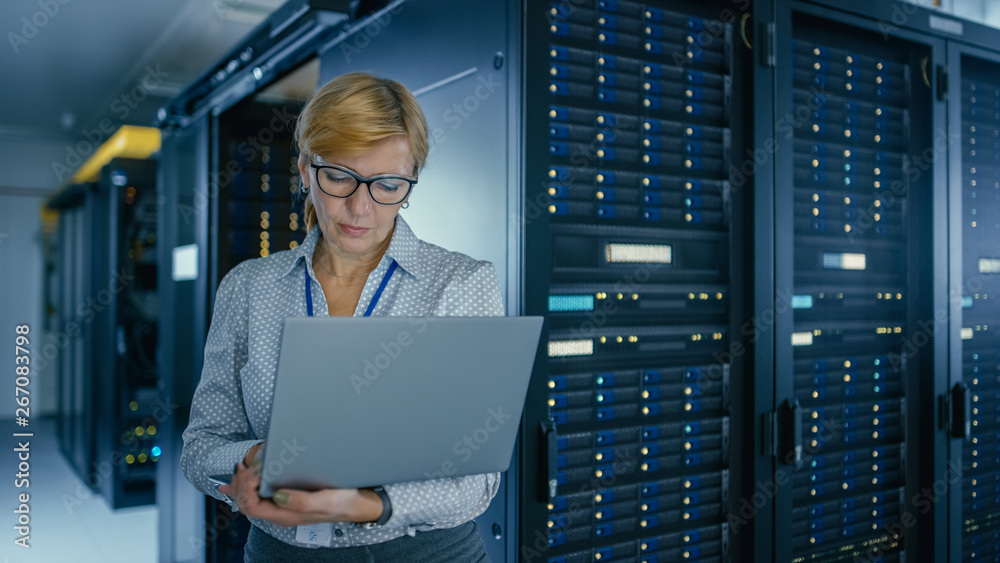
column 357, row 225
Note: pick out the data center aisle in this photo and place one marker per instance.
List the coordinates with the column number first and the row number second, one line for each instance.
column 69, row 522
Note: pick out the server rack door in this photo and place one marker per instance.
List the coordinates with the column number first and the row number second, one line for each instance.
column 855, row 228
column 974, row 472
column 182, row 188
column 631, row 416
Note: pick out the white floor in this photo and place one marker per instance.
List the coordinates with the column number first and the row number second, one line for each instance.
column 68, row 523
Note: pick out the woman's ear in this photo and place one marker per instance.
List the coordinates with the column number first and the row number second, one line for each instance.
column 303, row 164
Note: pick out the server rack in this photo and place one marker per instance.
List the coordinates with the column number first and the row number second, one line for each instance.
column 108, row 376
column 74, row 428
column 853, row 205
column 127, row 386
column 976, row 356
column 258, row 209
column 632, row 405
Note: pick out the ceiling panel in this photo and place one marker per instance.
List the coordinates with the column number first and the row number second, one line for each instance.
column 66, row 69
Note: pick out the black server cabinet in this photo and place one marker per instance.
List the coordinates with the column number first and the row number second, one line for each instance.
column 634, row 264
column 854, row 195
column 108, row 374
column 125, row 393
column 974, row 471
column 74, row 428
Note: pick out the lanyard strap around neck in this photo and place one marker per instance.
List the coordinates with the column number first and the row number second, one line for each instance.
column 375, row 298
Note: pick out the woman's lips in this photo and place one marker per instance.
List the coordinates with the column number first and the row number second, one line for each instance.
column 353, row 231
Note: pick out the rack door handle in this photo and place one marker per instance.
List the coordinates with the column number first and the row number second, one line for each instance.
column 961, row 411
column 789, row 429
column 550, row 443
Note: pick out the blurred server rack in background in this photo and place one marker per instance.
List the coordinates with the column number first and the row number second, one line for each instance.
column 108, row 394
column 74, row 367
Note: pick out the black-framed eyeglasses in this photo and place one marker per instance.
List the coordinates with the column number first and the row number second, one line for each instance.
column 337, row 181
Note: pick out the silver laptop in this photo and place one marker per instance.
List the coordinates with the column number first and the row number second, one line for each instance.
column 361, row 402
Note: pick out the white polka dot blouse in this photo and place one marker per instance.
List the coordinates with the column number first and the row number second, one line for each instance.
column 230, row 411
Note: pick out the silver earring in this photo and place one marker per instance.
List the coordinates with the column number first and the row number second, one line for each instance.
column 304, row 189
column 405, row 204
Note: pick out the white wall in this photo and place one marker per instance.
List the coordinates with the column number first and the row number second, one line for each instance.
column 26, row 178
column 983, row 11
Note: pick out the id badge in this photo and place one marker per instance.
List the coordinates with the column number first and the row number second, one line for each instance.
column 315, row 534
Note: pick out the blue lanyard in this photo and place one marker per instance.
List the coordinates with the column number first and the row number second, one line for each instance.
column 375, row 298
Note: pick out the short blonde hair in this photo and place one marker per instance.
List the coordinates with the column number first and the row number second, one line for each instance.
column 352, row 114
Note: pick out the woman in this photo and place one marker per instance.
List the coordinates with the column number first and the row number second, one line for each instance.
column 362, row 142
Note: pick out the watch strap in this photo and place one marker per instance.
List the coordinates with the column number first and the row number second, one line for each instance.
column 386, row 508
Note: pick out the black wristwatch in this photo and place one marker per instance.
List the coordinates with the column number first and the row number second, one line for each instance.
column 386, row 509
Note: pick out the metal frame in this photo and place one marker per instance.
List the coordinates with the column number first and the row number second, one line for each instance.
column 536, row 261
column 759, row 461
column 181, row 329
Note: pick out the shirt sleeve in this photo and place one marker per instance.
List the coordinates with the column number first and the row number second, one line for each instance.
column 449, row 502
column 218, row 434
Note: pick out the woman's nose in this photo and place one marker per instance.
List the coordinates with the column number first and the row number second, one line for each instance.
column 360, row 202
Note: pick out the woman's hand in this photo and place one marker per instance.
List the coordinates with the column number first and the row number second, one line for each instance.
column 291, row 507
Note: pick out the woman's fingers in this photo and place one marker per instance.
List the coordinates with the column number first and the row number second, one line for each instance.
column 288, row 507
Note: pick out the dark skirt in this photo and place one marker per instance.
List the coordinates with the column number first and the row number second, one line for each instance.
column 461, row 544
